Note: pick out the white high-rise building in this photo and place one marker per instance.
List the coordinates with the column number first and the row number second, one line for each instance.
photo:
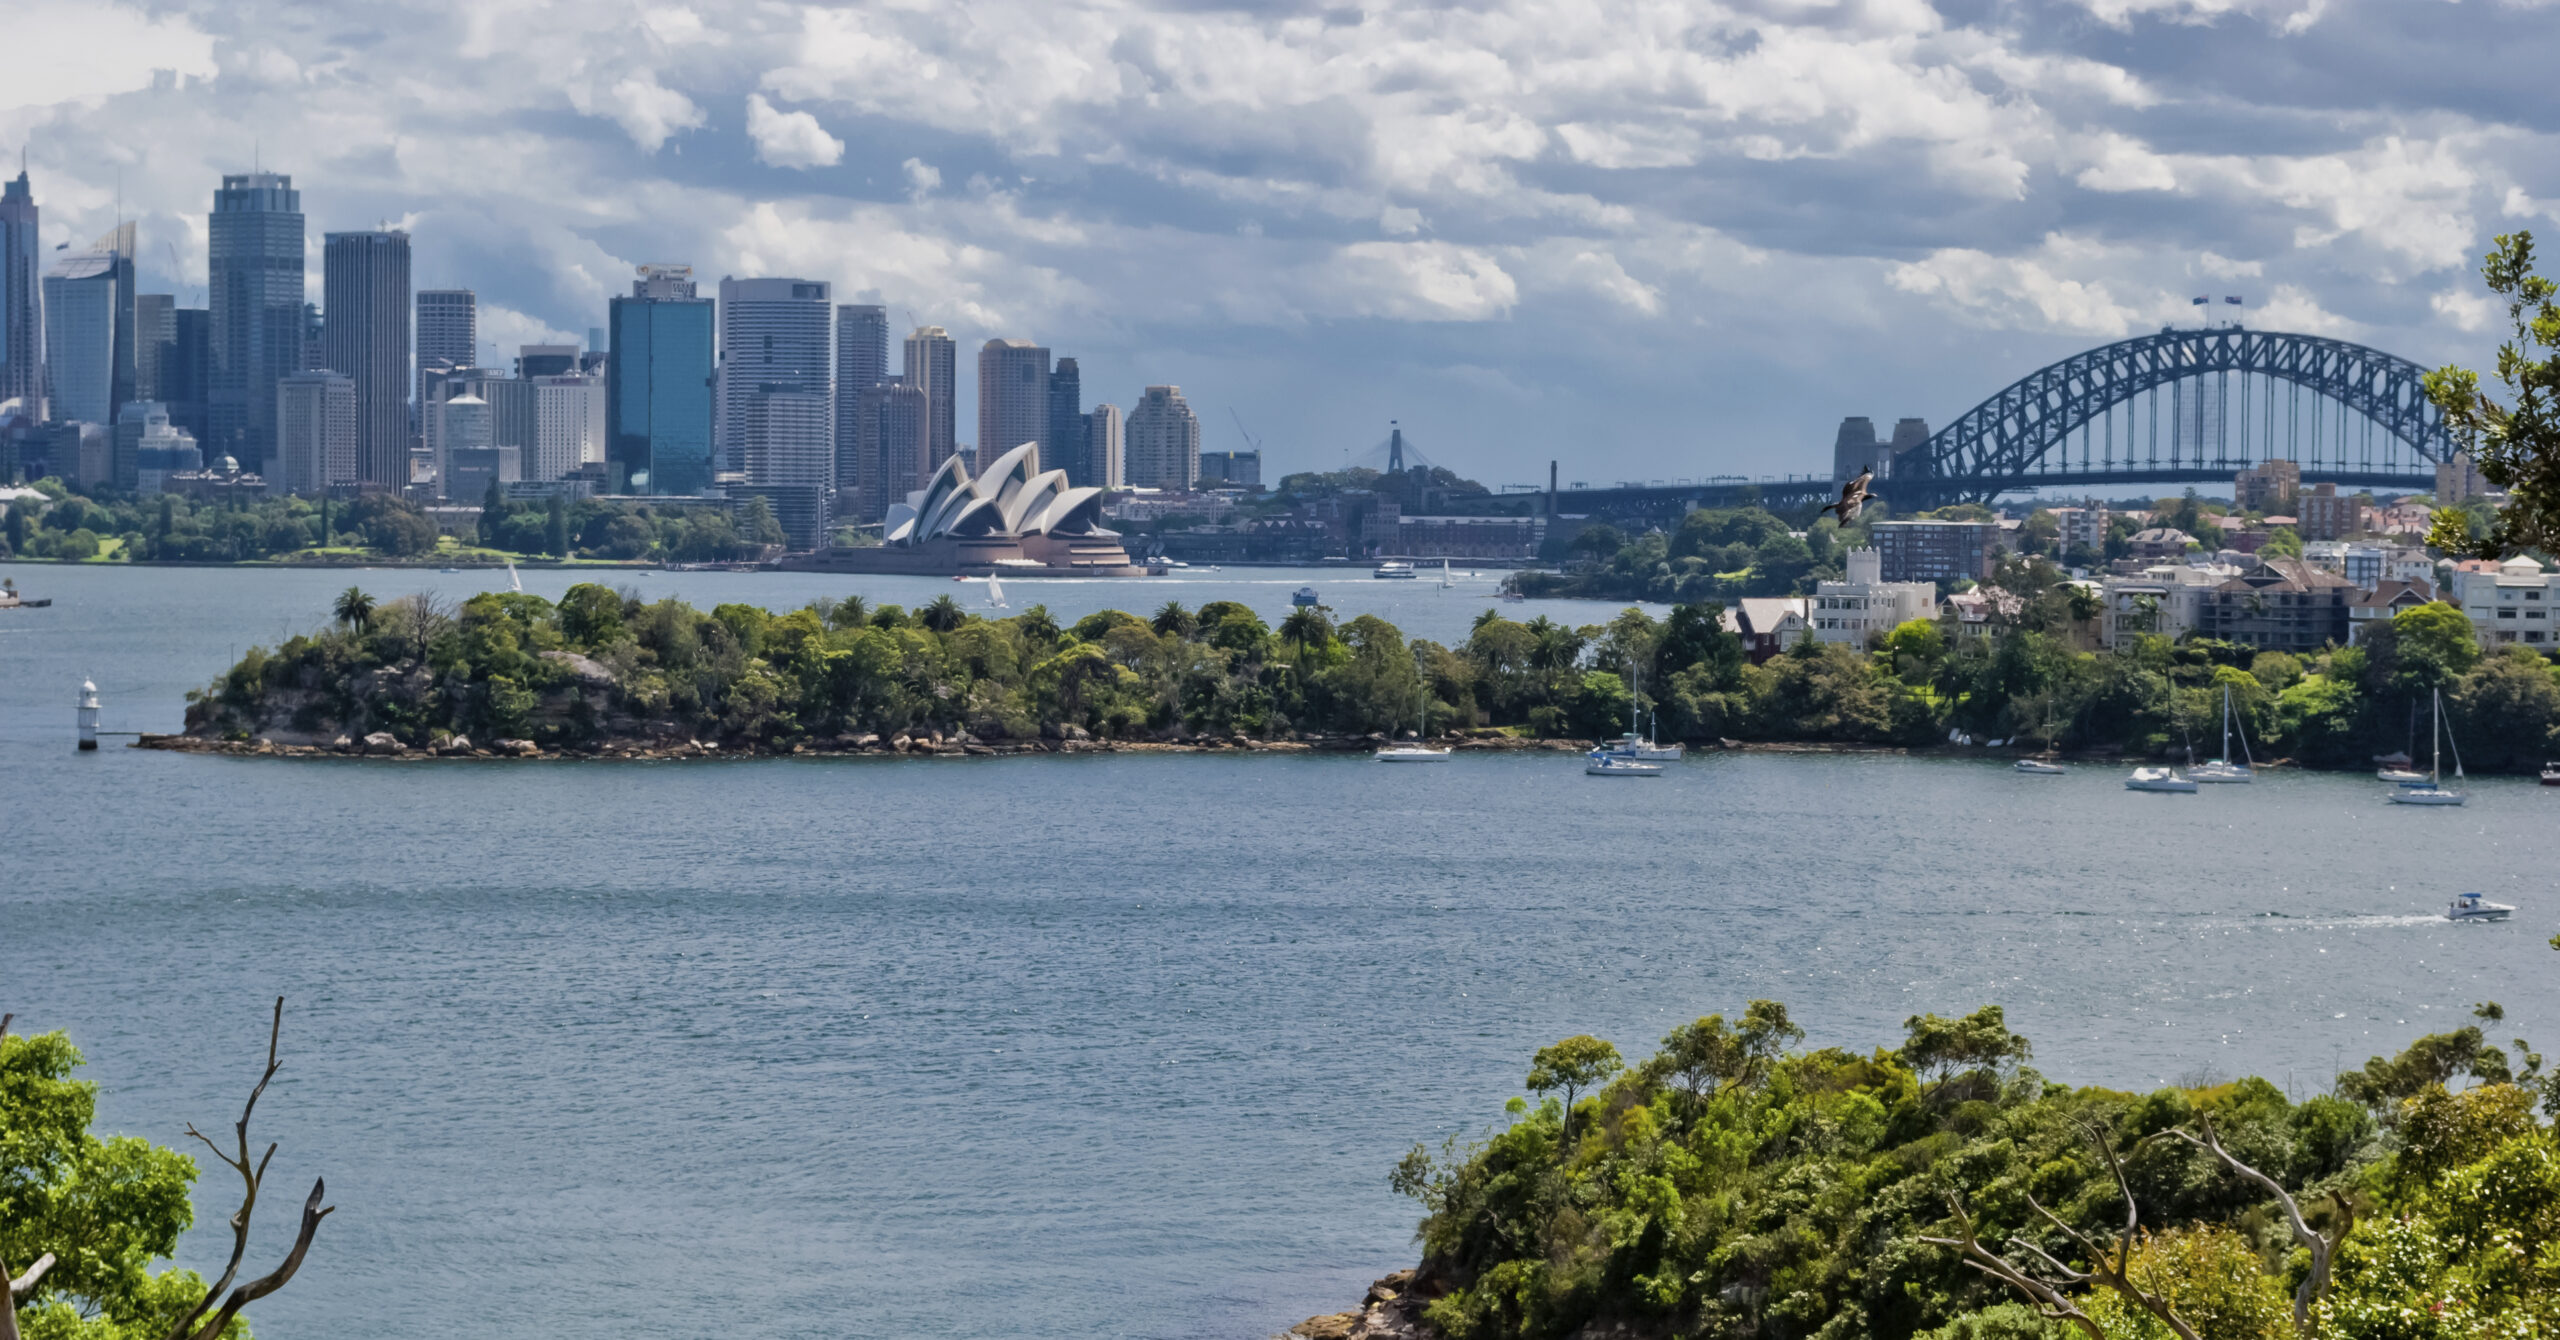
column 1013, row 400
column 315, row 433
column 568, row 431
column 775, row 334
column 1163, row 441
column 933, row 367
column 1866, row 606
column 448, row 332
column 1104, row 447
column 456, row 424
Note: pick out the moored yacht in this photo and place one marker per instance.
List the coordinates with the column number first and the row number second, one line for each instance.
column 2036, row 767
column 2433, row 791
column 1610, row 765
column 2158, row 779
column 2223, row 769
column 1394, row 569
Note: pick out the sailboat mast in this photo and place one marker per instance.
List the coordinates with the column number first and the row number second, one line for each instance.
column 2226, row 723
column 2435, row 739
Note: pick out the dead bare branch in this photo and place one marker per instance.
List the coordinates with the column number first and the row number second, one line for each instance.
column 26, row 1284
column 2049, row 1299
column 251, row 1175
column 2322, row 1249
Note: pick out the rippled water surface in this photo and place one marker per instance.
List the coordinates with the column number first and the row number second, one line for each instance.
column 1078, row 1046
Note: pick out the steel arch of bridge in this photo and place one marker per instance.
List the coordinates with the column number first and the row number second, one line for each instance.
column 2010, row 440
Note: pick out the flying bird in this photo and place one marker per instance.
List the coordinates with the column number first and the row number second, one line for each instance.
column 1853, row 497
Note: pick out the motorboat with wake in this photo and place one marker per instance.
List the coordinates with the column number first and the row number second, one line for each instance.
column 1395, row 569
column 2223, row 769
column 2434, row 791
column 2474, row 907
column 2159, row 779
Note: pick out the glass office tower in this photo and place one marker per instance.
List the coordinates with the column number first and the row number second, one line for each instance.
column 658, row 384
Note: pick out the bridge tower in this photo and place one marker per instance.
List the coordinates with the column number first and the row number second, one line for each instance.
column 1395, row 448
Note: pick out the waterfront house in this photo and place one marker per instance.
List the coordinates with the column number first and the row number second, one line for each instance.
column 2385, row 600
column 2510, row 605
column 2166, row 599
column 1767, row 625
column 1865, row 607
column 2282, row 604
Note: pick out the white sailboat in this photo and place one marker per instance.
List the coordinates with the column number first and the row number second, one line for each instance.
column 512, row 579
column 1640, row 748
column 1445, row 583
column 1610, row 765
column 2223, row 769
column 2435, row 792
column 995, row 595
column 1416, row 752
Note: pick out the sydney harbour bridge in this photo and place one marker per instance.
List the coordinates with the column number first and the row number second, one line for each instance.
column 2178, row 407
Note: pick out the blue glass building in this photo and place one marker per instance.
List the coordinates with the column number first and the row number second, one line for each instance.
column 658, row 386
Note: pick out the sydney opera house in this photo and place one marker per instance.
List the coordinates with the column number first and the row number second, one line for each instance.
column 1015, row 519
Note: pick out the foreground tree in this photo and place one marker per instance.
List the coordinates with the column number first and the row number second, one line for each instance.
column 2516, row 444
column 93, row 1213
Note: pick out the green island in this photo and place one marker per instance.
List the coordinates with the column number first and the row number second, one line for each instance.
column 606, row 672
column 98, row 524
column 1943, row 1189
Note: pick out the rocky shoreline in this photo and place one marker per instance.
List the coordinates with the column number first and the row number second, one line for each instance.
column 1391, row 1310
column 930, row 744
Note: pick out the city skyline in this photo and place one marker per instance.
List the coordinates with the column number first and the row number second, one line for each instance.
column 1459, row 220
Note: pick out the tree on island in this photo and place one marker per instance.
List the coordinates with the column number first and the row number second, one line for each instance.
column 1572, row 1065
column 92, row 1214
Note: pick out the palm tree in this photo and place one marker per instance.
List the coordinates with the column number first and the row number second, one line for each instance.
column 943, row 615
column 1174, row 621
column 355, row 608
column 852, row 612
column 1037, row 625
column 1306, row 627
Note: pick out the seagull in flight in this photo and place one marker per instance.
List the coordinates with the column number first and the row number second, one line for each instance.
column 1853, row 497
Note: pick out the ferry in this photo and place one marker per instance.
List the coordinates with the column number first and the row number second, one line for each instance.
column 1394, row 569
column 1305, row 598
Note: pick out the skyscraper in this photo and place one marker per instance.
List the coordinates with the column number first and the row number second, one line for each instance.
column 315, row 433
column 155, row 327
column 1062, row 446
column 774, row 333
column 186, row 371
column 1013, row 398
column 448, row 331
column 21, row 296
column 658, row 402
column 933, row 367
column 1104, row 448
column 365, row 293
column 569, row 424
column 893, row 429
column 862, row 362
column 254, row 289
column 1164, row 441
column 81, row 302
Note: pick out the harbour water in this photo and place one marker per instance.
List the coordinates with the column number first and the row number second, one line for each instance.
column 1079, row 1046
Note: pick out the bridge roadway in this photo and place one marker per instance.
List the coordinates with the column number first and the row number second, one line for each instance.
column 1665, row 504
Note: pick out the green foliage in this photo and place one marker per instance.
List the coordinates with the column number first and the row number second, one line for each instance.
column 107, row 1208
column 2516, row 444
column 1729, row 1187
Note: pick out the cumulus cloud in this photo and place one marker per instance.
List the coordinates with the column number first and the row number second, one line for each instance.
column 790, row 139
column 1399, row 201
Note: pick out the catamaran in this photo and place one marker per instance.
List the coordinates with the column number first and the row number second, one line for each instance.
column 2223, row 769
column 2435, row 792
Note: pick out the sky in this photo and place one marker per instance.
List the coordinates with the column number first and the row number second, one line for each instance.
column 1647, row 240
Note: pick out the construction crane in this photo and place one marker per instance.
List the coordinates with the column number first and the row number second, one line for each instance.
column 1246, row 433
